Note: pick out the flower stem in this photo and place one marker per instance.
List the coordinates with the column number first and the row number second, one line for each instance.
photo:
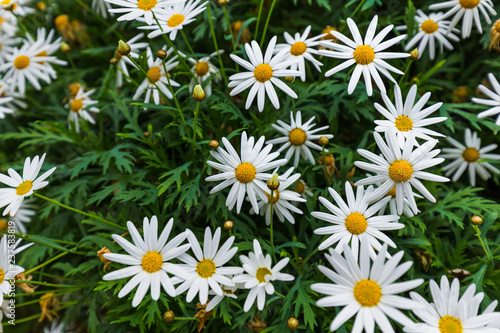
column 327, row 176
column 195, row 123
column 187, row 42
column 271, row 228
column 46, row 263
column 406, row 72
column 267, row 22
column 215, row 43
column 478, row 234
column 173, row 93
column 258, row 19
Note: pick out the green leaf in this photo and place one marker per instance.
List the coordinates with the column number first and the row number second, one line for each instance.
column 173, row 176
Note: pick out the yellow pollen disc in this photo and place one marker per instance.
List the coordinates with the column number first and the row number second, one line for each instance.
column 368, row 293
column 356, row 223
column 449, row 324
column 276, row 197
column 470, row 155
column 261, row 274
column 392, row 192
column 429, row 27
column 175, row 20
column 76, row 105
column 205, row 268
column 146, row 4
column 154, row 74
column 21, row 62
column 364, row 54
column 24, row 187
column 297, row 137
column 263, row 73
column 404, row 123
column 2, row 275
column 152, row 261
column 298, row 48
column 469, row 4
column 245, row 173
column 201, row 68
column 400, row 171
column 300, row 187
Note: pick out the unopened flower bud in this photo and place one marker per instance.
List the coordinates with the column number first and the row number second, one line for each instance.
column 223, row 2
column 289, row 79
column 113, row 61
column 65, row 47
column 169, row 316
column 123, row 48
column 228, row 225
column 41, row 6
column 273, row 183
column 476, row 220
column 213, row 144
column 414, row 54
column 323, row 141
column 292, row 323
column 199, row 93
column 162, row 54
column 146, row 134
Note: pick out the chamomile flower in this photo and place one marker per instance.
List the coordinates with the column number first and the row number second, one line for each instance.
column 245, row 172
column 469, row 156
column 133, row 9
column 7, row 42
column 408, row 118
column 283, row 200
column 157, row 78
column 207, row 270
column 123, row 62
column 148, row 260
column 46, row 47
column 263, row 74
column 204, row 72
column 172, row 19
column 298, row 138
column 302, row 189
column 226, row 292
column 259, row 276
column 301, row 48
column 493, row 101
column 101, row 7
column 400, row 168
column 449, row 314
column 469, row 10
column 80, row 106
column 23, row 215
column 7, row 268
column 355, row 222
column 18, row 7
column 8, row 23
column 22, row 187
column 366, row 290
column 367, row 55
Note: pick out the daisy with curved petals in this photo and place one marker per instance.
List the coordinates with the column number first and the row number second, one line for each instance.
column 148, row 260
column 18, row 7
column 408, row 118
column 8, row 23
column 298, row 138
column 204, row 72
column 392, row 204
column 206, row 271
column 123, row 62
column 259, row 276
column 469, row 156
column 263, row 73
column 301, row 48
column 22, row 187
column 8, row 270
column 469, row 10
column 355, row 221
column 226, row 292
column 493, row 101
column 23, row 215
column 400, row 168
column 245, row 173
column 133, row 9
column 80, row 105
column 8, row 43
column 367, row 55
column 46, row 47
column 366, row 290
column 449, row 314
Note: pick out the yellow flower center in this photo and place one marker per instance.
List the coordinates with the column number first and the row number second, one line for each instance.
column 298, row 48
column 469, row 4
column 201, row 68
column 470, row 155
column 297, row 137
column 300, row 187
column 263, row 73
column 146, row 4
column 449, row 324
column 152, row 261
column 404, row 123
column 175, row 20
column 392, row 192
column 276, row 197
column 429, row 27
column 76, row 105
column 2, row 275
column 24, row 187
column 364, row 54
column 400, row 171
column 356, row 223
column 368, row 293
column 261, row 274
column 21, row 62
column 154, row 74
column 245, row 173
column 205, row 268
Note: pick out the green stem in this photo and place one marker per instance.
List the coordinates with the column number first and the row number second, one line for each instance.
column 100, row 19
column 271, row 229
column 46, row 263
column 26, row 236
column 184, row 318
column 187, row 42
column 358, row 8
column 406, row 72
column 173, row 93
column 258, row 19
column 51, row 284
column 280, row 295
column 478, row 234
column 327, row 176
column 267, row 22
column 195, row 123
column 223, row 71
column 230, row 31
column 38, row 315
column 70, row 59
column 293, row 105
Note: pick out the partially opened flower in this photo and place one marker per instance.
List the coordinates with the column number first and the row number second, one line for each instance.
column 493, row 100
column 79, row 107
column 133, row 9
column 123, row 62
column 204, row 72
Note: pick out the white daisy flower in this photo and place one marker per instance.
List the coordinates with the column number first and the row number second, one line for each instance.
column 226, row 292
column 263, row 74
column 46, row 47
column 80, row 106
column 301, row 48
column 449, row 314
column 23, row 215
column 22, row 187
column 204, row 72
column 355, row 221
column 172, row 19
column 469, row 156
column 7, row 42
column 408, row 118
column 469, row 9
column 402, row 168
column 156, row 73
column 366, row 55
column 392, row 204
column 245, row 173
column 101, row 7
column 493, row 101
column 283, row 200
column 298, row 138
column 366, row 290
column 134, row 9
column 259, row 276
column 149, row 260
column 14, row 99
column 18, row 7
column 123, row 62
column 8, row 22
column 207, row 271
column 8, row 270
